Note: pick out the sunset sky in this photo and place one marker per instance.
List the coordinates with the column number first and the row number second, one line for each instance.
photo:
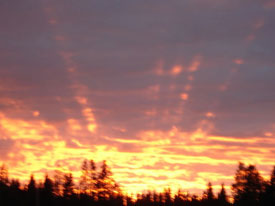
column 171, row 93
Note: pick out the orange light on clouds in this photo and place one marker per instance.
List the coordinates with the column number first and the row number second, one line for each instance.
column 176, row 70
column 210, row 114
column 35, row 113
column 190, row 78
column 154, row 88
column 88, row 113
column 184, row 96
column 158, row 70
column 187, row 87
column 152, row 112
column 158, row 134
column 74, row 124
column 20, row 129
column 194, row 66
column 268, row 134
column 160, row 152
column 81, row 100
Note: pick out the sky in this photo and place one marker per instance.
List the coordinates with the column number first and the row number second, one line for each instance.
column 171, row 93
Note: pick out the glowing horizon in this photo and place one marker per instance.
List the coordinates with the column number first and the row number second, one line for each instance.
column 171, row 95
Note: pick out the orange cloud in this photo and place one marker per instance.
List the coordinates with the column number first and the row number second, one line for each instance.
column 146, row 137
column 88, row 113
column 194, row 66
column 190, row 78
column 176, row 70
column 20, row 129
column 74, row 124
column 158, row 70
column 151, row 112
column 187, row 87
column 184, row 96
column 35, row 113
column 268, row 134
column 210, row 114
column 161, row 152
column 81, row 100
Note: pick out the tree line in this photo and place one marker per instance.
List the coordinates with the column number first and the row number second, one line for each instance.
column 96, row 186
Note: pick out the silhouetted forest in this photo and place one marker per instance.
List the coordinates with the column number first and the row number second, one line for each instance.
column 97, row 187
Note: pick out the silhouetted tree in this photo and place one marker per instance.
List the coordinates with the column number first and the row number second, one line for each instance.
column 155, row 198
column 4, row 177
column 268, row 197
column 92, row 178
column 129, row 201
column 88, row 180
column 15, row 184
column 15, row 194
column 167, row 196
column 68, row 186
column 272, row 186
column 209, row 192
column 106, row 185
column 58, row 183
column 84, row 179
column 208, row 195
column 48, row 185
column 272, row 177
column 32, row 192
column 47, row 191
column 248, row 186
column 182, row 198
column 249, row 189
column 195, row 200
column 4, row 183
column 222, row 197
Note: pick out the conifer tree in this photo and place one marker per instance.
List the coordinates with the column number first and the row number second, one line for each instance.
column 32, row 192
column 167, row 196
column 31, row 186
column 48, row 185
column 272, row 178
column 93, row 178
column 84, row 179
column 106, row 185
column 272, row 187
column 209, row 192
column 15, row 184
column 68, row 186
column 222, row 197
column 248, row 186
column 58, row 182
column 268, row 198
column 47, row 191
column 4, row 177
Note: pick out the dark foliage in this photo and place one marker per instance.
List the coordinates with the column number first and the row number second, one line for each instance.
column 98, row 188
column 249, row 186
